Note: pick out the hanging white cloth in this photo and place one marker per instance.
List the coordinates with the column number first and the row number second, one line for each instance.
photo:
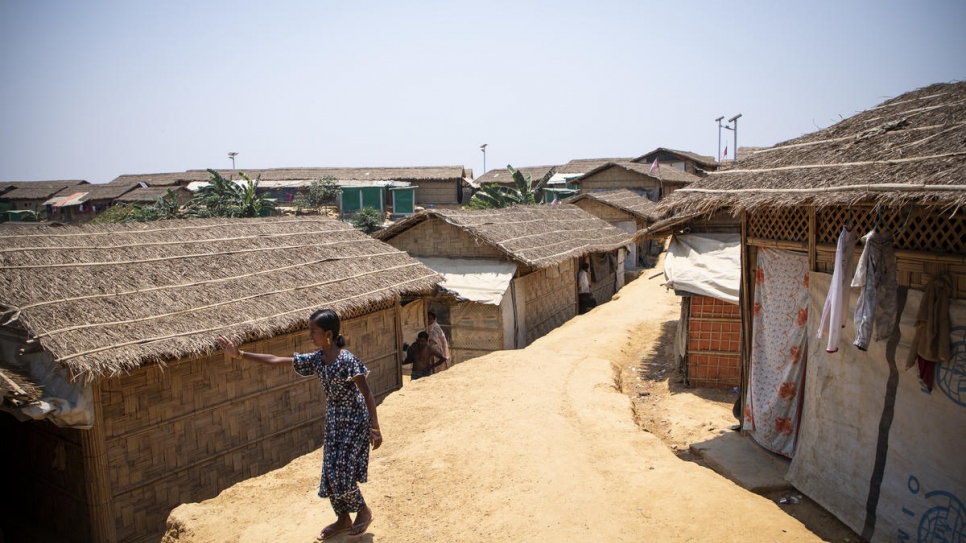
column 837, row 301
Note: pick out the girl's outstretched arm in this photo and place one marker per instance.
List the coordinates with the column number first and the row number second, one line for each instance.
column 268, row 359
column 375, row 434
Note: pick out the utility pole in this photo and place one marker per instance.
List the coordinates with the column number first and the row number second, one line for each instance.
column 718, row 120
column 735, row 120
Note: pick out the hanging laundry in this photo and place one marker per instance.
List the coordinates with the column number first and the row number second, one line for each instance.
column 837, row 301
column 875, row 274
column 930, row 345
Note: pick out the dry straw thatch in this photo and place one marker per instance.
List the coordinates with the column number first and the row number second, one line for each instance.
column 416, row 173
column 623, row 199
column 106, row 299
column 911, row 149
column 664, row 173
column 539, row 235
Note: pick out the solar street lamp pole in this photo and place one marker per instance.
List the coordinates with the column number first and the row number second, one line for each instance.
column 231, row 155
column 735, row 120
column 718, row 120
column 483, row 148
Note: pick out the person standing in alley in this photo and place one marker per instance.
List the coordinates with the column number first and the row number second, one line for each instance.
column 437, row 340
column 422, row 355
column 351, row 424
column 585, row 299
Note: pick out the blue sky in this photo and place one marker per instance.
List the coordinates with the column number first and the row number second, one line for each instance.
column 92, row 90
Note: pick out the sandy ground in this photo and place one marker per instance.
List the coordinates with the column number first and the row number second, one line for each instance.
column 550, row 443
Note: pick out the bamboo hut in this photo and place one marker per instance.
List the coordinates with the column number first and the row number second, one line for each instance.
column 85, row 201
column 118, row 403
column 686, row 161
column 876, row 435
column 511, row 273
column 149, row 195
column 31, row 195
column 629, row 211
column 655, row 183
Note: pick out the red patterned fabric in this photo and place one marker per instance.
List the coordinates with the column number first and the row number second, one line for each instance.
column 778, row 350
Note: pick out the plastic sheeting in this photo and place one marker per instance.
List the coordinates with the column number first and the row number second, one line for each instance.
column 64, row 403
column 477, row 280
column 876, row 449
column 705, row 264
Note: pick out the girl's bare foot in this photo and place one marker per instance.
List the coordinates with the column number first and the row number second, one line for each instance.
column 363, row 519
column 344, row 524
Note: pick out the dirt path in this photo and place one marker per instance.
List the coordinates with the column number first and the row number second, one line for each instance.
column 535, row 445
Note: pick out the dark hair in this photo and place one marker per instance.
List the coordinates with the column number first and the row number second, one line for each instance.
column 423, row 335
column 327, row 320
column 585, row 266
column 431, row 314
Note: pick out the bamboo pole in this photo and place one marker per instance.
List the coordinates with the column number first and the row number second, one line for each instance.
column 100, row 503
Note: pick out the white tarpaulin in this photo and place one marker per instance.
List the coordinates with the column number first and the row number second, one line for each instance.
column 477, row 280
column 705, row 264
column 64, row 403
column 876, row 448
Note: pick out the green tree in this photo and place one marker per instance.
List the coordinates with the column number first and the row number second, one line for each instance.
column 164, row 208
column 116, row 214
column 225, row 198
column 524, row 193
column 367, row 219
column 320, row 192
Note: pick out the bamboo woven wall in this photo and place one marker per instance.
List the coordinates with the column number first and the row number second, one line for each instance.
column 185, row 433
column 606, row 212
column 436, row 192
column 435, row 237
column 477, row 330
column 618, row 178
column 48, row 478
column 551, row 298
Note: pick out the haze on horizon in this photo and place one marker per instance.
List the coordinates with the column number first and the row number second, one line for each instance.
column 98, row 89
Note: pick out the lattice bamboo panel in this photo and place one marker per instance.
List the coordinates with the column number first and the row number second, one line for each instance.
column 786, row 224
column 915, row 229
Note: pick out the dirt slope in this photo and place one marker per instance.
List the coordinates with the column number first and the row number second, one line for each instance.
column 538, row 444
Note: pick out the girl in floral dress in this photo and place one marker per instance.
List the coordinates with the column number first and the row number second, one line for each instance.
column 351, row 424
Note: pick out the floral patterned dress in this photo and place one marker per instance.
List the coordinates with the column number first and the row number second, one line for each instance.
column 345, row 457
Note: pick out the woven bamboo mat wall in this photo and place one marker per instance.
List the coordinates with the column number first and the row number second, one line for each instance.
column 551, row 298
column 477, row 330
column 435, row 237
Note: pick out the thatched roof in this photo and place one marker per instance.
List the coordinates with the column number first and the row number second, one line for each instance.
column 142, row 195
column 76, row 196
column 106, row 299
column 908, row 149
column 706, row 162
column 538, row 235
column 162, row 179
column 584, row 165
column 664, row 173
column 16, row 385
column 36, row 190
column 623, row 199
column 419, row 173
column 501, row 176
